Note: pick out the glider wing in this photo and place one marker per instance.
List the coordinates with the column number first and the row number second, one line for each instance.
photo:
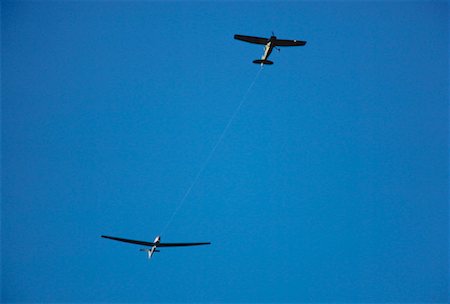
column 129, row 241
column 251, row 39
column 181, row 244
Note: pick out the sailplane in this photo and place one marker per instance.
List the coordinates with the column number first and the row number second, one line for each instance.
column 154, row 245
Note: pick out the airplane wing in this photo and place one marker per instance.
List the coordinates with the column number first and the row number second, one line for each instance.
column 128, row 241
column 149, row 244
column 251, row 39
column 284, row 42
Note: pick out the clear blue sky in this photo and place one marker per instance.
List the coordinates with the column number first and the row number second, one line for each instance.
column 331, row 184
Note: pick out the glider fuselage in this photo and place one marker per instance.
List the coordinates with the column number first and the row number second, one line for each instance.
column 153, row 250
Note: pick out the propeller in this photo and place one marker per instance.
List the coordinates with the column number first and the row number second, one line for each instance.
column 273, row 34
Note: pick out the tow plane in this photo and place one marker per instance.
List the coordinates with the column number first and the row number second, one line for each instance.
column 269, row 45
column 154, row 245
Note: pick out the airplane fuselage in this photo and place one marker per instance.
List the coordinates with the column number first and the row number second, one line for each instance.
column 268, row 48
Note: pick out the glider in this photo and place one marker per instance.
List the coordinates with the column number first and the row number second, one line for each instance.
column 269, row 44
column 154, row 245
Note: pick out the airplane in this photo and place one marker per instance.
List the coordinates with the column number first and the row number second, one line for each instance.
column 269, row 44
column 154, row 245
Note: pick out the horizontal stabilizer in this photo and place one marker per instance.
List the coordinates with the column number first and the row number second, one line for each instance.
column 147, row 250
column 260, row 61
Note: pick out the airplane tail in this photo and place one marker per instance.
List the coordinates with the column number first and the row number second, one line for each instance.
column 260, row 61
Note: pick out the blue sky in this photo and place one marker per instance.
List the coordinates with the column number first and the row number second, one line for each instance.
column 330, row 185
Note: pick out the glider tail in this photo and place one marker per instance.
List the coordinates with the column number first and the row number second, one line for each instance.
column 150, row 252
column 260, row 61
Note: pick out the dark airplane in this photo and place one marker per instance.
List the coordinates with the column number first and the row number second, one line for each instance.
column 269, row 44
column 155, row 244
